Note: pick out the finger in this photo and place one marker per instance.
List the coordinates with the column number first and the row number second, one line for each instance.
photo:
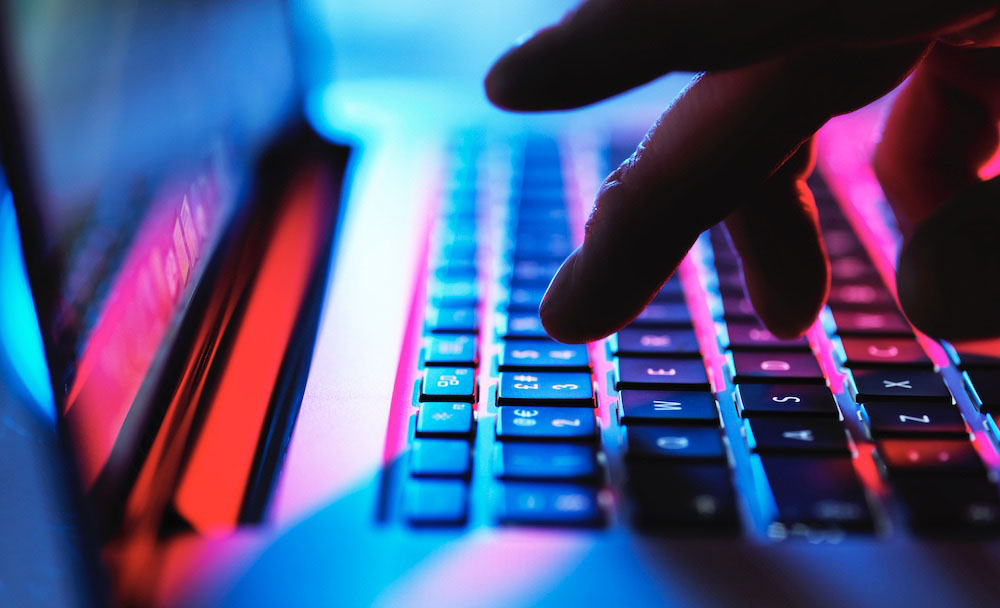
column 605, row 47
column 776, row 233
column 946, row 277
column 719, row 141
column 942, row 129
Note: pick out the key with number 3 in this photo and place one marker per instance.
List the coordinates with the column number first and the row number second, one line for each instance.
column 552, row 388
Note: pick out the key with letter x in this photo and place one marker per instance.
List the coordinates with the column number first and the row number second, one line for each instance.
column 880, row 385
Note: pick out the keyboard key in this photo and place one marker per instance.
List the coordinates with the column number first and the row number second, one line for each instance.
column 950, row 506
column 680, row 496
column 543, row 355
column 674, row 443
column 730, row 285
column 448, row 384
column 436, row 502
column 796, row 436
column 930, row 457
column 457, row 350
column 452, row 271
column 545, row 461
column 918, row 419
column 453, row 294
column 673, row 373
column 881, row 352
column 667, row 407
column 546, row 423
column 738, row 309
column 778, row 366
column 861, row 296
column 785, row 400
column 842, row 242
column 752, row 336
column 663, row 314
column 524, row 325
column 451, row 320
column 448, row 419
column 817, row 493
column 552, row 388
column 440, row 458
column 983, row 386
column 853, row 268
column 526, row 299
column 868, row 323
column 892, row 384
column 534, row 271
column 653, row 342
column 525, row 503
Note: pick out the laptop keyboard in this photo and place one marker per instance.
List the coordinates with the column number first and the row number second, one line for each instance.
column 694, row 419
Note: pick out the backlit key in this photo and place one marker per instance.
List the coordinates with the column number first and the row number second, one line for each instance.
column 861, row 296
column 653, row 342
column 672, row 496
column 869, row 323
column 663, row 314
column 457, row 350
column 448, row 384
column 796, row 436
column 752, row 336
column 930, row 457
column 546, row 388
column 543, row 355
column 526, row 503
column 951, row 505
column 531, row 423
column 786, row 400
column 890, row 384
column 883, row 351
column 436, row 502
column 776, row 366
column 667, row 407
column 816, row 493
column 440, row 458
column 674, row 443
column 915, row 419
column 540, row 461
column 524, row 325
column 445, row 419
column 665, row 373
column 451, row 320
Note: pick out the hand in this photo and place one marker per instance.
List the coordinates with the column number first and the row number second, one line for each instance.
column 735, row 146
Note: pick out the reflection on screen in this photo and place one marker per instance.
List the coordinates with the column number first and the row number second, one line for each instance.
column 140, row 122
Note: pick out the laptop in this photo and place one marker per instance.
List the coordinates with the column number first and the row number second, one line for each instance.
column 290, row 372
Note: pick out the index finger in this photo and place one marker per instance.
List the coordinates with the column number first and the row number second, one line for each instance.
column 721, row 140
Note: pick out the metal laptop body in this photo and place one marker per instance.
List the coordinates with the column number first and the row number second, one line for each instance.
column 330, row 531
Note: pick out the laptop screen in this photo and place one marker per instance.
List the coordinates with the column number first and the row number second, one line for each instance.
column 137, row 124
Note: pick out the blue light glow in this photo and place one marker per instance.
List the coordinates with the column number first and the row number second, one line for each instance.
column 20, row 337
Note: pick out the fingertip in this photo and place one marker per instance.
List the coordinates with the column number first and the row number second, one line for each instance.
column 567, row 310
column 517, row 79
column 789, row 310
column 501, row 81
